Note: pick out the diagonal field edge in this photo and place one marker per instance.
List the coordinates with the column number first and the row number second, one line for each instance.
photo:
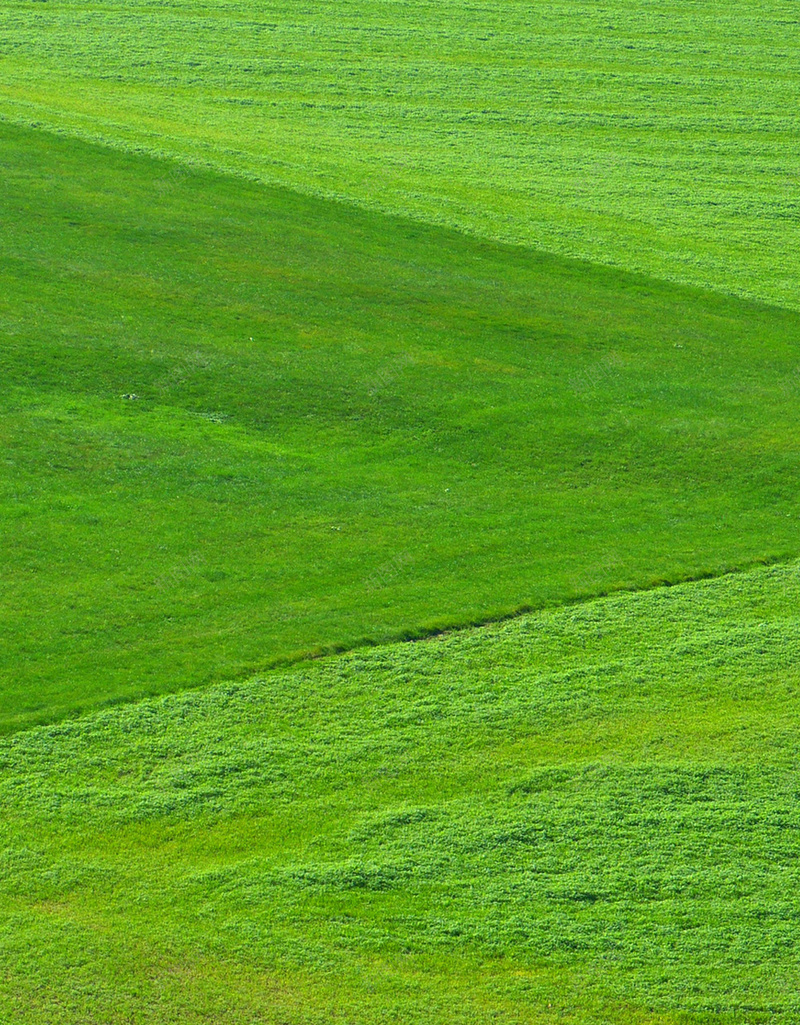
column 433, row 620
column 413, row 636
column 194, row 165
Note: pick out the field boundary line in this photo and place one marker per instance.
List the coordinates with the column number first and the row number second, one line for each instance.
column 415, row 635
column 411, row 635
column 231, row 173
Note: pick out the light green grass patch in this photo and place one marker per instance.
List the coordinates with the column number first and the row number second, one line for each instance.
column 655, row 137
column 584, row 815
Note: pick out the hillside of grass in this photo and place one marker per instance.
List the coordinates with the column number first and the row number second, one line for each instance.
column 585, row 815
column 238, row 426
column 327, row 334
column 660, row 138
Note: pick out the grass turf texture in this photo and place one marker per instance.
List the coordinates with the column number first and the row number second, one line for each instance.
column 586, row 815
column 346, row 428
column 660, row 137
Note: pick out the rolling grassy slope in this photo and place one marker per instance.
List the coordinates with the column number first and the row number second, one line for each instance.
column 586, row 815
column 343, row 427
column 657, row 137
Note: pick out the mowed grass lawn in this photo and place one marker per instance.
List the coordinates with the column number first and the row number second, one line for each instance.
column 585, row 815
column 659, row 137
column 239, row 426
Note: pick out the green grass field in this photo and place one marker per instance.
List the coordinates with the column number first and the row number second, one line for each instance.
column 346, row 429
column 586, row 815
column 657, row 137
column 437, row 339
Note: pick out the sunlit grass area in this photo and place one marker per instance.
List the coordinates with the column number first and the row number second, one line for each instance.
column 656, row 137
column 586, row 815
column 399, row 479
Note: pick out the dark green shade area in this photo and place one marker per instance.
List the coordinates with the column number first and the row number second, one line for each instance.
column 587, row 815
column 239, row 426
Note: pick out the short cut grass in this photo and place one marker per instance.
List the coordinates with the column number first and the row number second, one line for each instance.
column 240, row 427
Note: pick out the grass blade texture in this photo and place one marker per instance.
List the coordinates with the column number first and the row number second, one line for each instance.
column 660, row 137
column 239, row 426
column 366, row 368
column 586, row 815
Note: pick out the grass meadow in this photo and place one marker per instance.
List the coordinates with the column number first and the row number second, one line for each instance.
column 241, row 427
column 399, row 478
column 584, row 815
column 659, row 137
